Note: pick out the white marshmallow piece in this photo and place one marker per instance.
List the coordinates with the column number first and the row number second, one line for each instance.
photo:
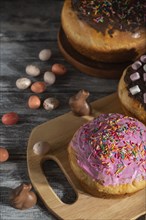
column 144, row 77
column 135, row 76
column 134, row 90
column 144, row 67
column 136, row 65
column 144, row 98
column 143, row 58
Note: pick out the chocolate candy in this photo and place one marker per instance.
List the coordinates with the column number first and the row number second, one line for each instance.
column 33, row 70
column 45, row 54
column 23, row 83
column 59, row 69
column 38, row 87
column 51, row 103
column 79, row 105
column 10, row 118
column 22, row 198
column 34, row 102
column 49, row 78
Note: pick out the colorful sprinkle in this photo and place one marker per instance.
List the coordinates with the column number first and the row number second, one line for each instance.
column 115, row 144
column 118, row 14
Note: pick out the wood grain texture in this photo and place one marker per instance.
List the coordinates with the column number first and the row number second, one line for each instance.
column 12, row 174
column 86, row 206
column 14, row 58
column 26, row 28
column 30, row 20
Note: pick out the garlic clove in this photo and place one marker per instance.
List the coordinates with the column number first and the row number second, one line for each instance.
column 22, row 198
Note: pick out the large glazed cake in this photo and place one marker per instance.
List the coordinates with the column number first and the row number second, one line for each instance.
column 108, row 155
column 106, row 31
column 132, row 89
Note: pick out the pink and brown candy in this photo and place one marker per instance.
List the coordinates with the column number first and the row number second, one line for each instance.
column 135, row 79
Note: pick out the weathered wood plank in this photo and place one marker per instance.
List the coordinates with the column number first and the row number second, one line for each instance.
column 15, row 138
column 30, row 20
column 12, row 175
column 14, row 58
column 15, row 173
column 26, row 28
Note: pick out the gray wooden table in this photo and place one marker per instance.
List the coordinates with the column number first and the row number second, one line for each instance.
column 26, row 28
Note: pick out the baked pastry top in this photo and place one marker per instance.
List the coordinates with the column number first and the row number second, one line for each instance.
column 114, row 14
column 105, row 31
column 111, row 149
column 135, row 79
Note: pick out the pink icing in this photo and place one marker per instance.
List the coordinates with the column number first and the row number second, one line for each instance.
column 112, row 149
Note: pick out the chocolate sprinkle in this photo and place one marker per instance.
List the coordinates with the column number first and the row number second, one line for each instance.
column 140, row 82
column 116, row 14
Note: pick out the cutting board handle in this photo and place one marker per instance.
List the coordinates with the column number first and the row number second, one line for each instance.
column 45, row 191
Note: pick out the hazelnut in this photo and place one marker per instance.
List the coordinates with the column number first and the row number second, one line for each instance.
column 45, row 54
column 50, row 103
column 34, row 102
column 33, row 70
column 49, row 78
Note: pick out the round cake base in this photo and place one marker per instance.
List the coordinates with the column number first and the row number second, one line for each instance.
column 86, row 65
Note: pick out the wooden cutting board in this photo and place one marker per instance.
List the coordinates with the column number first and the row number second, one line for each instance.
column 58, row 132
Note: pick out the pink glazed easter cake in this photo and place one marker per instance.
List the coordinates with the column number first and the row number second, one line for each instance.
column 108, row 155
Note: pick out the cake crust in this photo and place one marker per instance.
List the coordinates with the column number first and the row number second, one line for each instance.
column 107, row 155
column 131, row 106
column 95, row 188
column 121, row 47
